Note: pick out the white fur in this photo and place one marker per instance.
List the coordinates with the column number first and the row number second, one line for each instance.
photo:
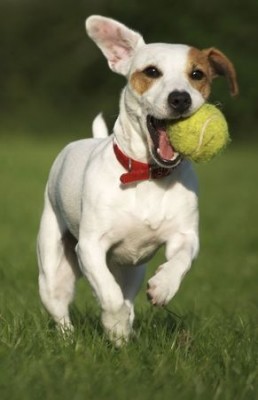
column 119, row 228
column 99, row 127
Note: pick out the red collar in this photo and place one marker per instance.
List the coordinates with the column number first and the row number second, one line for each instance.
column 138, row 171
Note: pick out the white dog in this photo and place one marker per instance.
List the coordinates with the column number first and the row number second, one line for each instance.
column 112, row 201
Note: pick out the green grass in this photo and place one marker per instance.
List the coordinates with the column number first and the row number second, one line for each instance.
column 209, row 351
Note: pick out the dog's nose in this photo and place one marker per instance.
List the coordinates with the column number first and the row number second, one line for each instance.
column 179, row 101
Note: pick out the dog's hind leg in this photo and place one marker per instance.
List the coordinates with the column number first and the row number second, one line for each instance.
column 57, row 266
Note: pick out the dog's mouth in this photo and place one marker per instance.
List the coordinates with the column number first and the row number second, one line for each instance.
column 162, row 151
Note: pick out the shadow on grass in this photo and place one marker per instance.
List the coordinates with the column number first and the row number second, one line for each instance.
column 151, row 326
column 88, row 323
column 155, row 320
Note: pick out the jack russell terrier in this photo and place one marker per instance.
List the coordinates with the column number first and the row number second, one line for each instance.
column 113, row 200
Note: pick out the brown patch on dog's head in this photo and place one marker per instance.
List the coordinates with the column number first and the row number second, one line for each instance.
column 141, row 82
column 198, row 62
column 222, row 66
column 209, row 64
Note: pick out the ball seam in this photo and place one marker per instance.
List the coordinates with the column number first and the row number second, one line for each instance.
column 201, row 137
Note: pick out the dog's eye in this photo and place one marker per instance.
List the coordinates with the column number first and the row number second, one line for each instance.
column 197, row 75
column 152, row 72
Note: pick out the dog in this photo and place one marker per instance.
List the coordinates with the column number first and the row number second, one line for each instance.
column 111, row 201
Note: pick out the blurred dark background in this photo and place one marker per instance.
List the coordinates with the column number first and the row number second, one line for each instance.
column 53, row 79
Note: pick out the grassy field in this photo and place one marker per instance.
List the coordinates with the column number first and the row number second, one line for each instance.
column 204, row 345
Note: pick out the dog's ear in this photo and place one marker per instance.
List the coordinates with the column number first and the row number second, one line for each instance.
column 222, row 66
column 117, row 42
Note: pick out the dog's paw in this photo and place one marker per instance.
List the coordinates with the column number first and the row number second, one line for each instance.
column 161, row 288
column 64, row 324
column 66, row 330
column 118, row 325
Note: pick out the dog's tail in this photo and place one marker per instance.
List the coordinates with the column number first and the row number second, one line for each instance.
column 99, row 127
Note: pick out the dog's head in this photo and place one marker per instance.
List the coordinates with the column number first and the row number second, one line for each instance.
column 165, row 81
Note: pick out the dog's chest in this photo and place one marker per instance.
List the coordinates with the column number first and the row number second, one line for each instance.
column 135, row 242
column 143, row 227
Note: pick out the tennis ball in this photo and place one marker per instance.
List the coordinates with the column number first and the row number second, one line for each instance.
column 201, row 136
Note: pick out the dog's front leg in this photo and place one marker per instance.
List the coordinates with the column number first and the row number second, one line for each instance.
column 115, row 312
column 180, row 252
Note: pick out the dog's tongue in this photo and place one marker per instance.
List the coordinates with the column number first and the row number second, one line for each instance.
column 166, row 151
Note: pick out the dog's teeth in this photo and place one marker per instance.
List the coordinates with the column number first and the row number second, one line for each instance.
column 158, row 150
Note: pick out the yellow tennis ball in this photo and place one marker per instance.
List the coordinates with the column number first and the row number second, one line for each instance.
column 201, row 136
